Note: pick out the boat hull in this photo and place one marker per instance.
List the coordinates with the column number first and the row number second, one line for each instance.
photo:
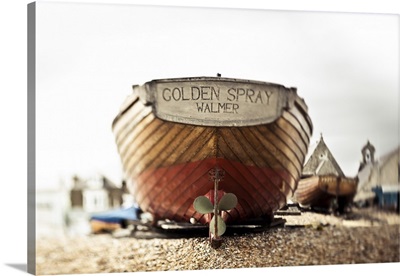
column 320, row 191
column 167, row 164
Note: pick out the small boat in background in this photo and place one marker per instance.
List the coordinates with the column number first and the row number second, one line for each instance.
column 111, row 220
column 178, row 138
column 320, row 191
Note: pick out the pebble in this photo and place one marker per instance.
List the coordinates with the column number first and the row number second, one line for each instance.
column 327, row 241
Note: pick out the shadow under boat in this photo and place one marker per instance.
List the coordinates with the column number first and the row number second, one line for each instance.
column 133, row 222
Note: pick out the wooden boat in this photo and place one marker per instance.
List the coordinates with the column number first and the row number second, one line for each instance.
column 177, row 138
column 319, row 191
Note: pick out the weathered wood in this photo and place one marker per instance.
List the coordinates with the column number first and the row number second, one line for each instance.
column 166, row 160
column 319, row 191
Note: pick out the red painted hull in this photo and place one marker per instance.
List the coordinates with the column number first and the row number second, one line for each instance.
column 160, row 187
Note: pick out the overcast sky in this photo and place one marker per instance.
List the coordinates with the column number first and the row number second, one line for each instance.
column 345, row 66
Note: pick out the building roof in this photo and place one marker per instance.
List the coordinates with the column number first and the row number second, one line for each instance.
column 321, row 161
column 383, row 161
column 108, row 184
column 96, row 182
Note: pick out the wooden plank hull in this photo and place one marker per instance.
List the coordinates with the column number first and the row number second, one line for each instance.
column 320, row 191
column 167, row 164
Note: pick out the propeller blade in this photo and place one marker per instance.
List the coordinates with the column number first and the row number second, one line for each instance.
column 221, row 226
column 203, row 205
column 227, row 202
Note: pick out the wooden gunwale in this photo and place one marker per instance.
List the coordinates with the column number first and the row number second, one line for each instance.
column 303, row 118
column 124, row 110
column 121, row 121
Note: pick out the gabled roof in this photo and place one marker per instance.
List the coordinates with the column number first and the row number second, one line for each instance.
column 321, row 161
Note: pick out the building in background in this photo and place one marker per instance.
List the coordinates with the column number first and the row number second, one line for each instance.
column 96, row 194
column 379, row 179
column 67, row 208
column 321, row 161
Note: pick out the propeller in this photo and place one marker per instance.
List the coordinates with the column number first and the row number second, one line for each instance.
column 203, row 205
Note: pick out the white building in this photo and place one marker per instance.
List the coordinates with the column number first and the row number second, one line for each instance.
column 383, row 172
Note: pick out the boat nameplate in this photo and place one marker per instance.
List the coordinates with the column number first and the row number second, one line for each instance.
column 209, row 102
